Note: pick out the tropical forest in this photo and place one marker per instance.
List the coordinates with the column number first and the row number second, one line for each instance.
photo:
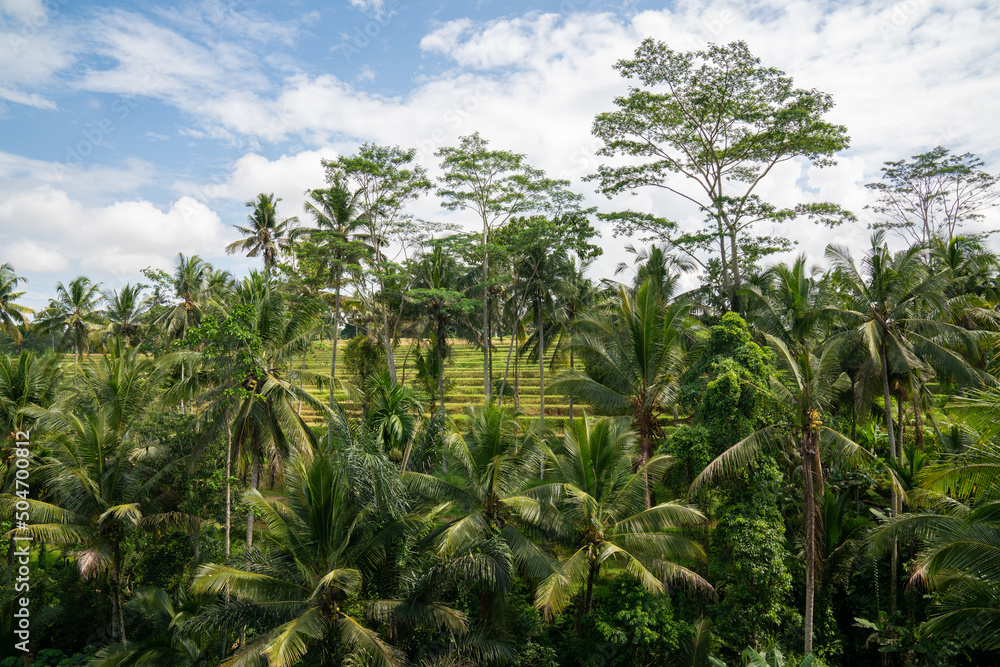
column 397, row 441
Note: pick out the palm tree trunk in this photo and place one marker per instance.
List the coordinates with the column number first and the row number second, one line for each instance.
column 918, row 417
column 229, row 482
column 487, row 365
column 899, row 424
column 895, row 499
column 809, row 508
column 254, row 482
column 541, row 362
column 182, row 383
column 571, row 395
column 506, row 370
column 116, row 591
column 646, row 446
column 541, row 376
column 587, row 600
column 333, row 357
column 440, row 358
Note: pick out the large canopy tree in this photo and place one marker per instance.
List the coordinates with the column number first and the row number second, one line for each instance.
column 720, row 121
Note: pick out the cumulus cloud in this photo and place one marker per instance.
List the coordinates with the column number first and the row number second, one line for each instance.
column 48, row 232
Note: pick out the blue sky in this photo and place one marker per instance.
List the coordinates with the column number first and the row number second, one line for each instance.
column 132, row 131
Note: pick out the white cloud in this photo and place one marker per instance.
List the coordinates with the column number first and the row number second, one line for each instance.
column 48, row 232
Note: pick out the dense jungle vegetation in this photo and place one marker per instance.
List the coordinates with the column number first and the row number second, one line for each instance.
column 401, row 443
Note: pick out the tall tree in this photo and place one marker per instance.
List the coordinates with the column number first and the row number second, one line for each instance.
column 437, row 291
column 334, row 249
column 636, row 356
column 267, row 236
column 721, row 121
column 894, row 303
column 385, row 180
column 74, row 312
column 791, row 317
column 495, row 186
column 542, row 250
column 933, row 195
column 125, row 313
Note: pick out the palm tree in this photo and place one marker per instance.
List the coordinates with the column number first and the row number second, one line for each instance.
column 578, row 295
column 959, row 531
column 894, row 302
column 301, row 585
column 26, row 381
column 336, row 236
column 393, row 417
column 125, row 313
column 599, row 512
column 809, row 379
column 661, row 269
column 172, row 641
column 891, row 302
column 542, row 273
column 104, row 483
column 251, row 397
column 190, row 281
column 11, row 313
column 437, row 290
column 492, row 467
column 266, row 236
column 74, row 311
column 637, row 354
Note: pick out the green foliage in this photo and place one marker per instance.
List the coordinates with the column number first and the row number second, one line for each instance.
column 726, row 383
column 691, row 447
column 747, row 561
column 364, row 358
column 629, row 626
column 53, row 657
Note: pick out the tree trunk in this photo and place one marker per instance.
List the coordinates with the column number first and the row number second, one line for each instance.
column 182, row 388
column 254, row 482
column 506, row 370
column 571, row 395
column 723, row 260
column 440, row 356
column 333, row 357
column 541, row 362
column 895, row 499
column 918, row 417
column 588, row 598
column 899, row 424
column 810, row 509
column 116, row 591
column 541, row 376
column 487, row 366
column 646, row 446
column 229, row 482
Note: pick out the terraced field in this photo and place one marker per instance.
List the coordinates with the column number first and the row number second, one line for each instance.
column 464, row 369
